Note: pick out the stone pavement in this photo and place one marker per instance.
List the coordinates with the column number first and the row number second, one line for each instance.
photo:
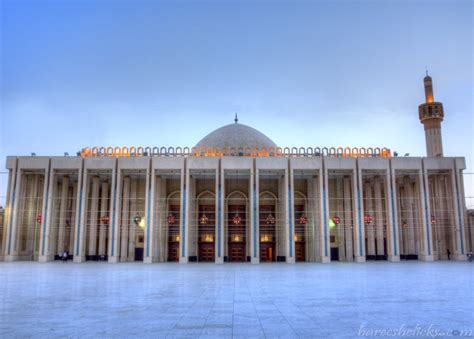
column 241, row 300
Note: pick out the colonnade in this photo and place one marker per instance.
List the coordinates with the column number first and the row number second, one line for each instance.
column 119, row 212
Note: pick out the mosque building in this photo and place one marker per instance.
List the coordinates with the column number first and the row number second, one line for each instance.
column 238, row 197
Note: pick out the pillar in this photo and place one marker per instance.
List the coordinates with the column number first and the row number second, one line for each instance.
column 185, row 215
column 254, row 216
column 94, row 206
column 378, row 221
column 348, row 222
column 45, row 233
column 13, row 202
column 220, row 215
column 62, row 215
column 81, row 206
column 369, row 226
column 31, row 232
column 132, row 224
column 125, row 221
column 358, row 216
column 115, row 206
column 104, row 212
column 410, row 217
column 393, row 240
column 340, row 212
column 289, row 194
column 150, row 252
column 427, row 240
column 458, row 202
column 324, row 237
column 72, row 222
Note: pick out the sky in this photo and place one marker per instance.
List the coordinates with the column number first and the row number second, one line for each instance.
column 78, row 74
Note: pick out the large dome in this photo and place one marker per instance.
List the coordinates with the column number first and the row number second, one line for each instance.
column 236, row 135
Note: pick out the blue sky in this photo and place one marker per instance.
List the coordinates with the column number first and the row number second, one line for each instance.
column 312, row 73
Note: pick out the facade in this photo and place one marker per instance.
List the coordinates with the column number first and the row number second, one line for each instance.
column 238, row 197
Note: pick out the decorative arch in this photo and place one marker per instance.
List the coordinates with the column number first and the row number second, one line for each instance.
column 231, row 194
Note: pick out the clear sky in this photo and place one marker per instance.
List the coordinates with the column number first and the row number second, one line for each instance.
column 311, row 73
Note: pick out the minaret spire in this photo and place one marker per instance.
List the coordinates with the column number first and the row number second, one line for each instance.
column 431, row 115
column 236, row 119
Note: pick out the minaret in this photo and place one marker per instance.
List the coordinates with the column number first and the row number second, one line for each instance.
column 431, row 114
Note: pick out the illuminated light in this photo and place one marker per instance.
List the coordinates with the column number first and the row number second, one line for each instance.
column 203, row 220
column 171, row 219
column 368, row 219
column 39, row 218
column 354, row 152
column 236, row 219
column 207, row 238
column 331, row 224
column 303, row 220
column 270, row 219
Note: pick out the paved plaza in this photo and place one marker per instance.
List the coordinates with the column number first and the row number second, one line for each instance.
column 241, row 300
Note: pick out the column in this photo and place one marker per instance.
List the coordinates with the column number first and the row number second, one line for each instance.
column 104, row 212
column 460, row 250
column 79, row 233
column 358, row 216
column 220, row 215
column 410, row 218
column 393, row 241
column 133, row 213
column 185, row 214
column 125, row 218
column 378, row 220
column 427, row 241
column 72, row 222
column 254, row 216
column 150, row 229
column 348, row 222
column 14, row 201
column 32, row 224
column 369, row 226
column 310, row 227
column 441, row 230
column 62, row 215
column 94, row 206
column 45, row 234
column 340, row 212
column 324, row 244
column 115, row 206
column 290, row 222
column 8, row 210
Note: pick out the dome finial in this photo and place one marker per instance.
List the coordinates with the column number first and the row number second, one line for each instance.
column 236, row 119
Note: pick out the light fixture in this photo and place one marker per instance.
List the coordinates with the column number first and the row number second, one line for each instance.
column 270, row 219
column 203, row 220
column 39, row 218
column 368, row 219
column 171, row 219
column 236, row 219
column 303, row 220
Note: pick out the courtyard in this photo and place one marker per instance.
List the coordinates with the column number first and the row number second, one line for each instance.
column 236, row 300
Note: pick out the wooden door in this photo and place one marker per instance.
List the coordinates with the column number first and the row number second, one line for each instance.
column 207, row 229
column 173, row 232
column 236, row 226
column 267, row 223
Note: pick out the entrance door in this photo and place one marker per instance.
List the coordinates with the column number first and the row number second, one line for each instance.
column 236, row 226
column 173, row 221
column 207, row 228
column 267, row 233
